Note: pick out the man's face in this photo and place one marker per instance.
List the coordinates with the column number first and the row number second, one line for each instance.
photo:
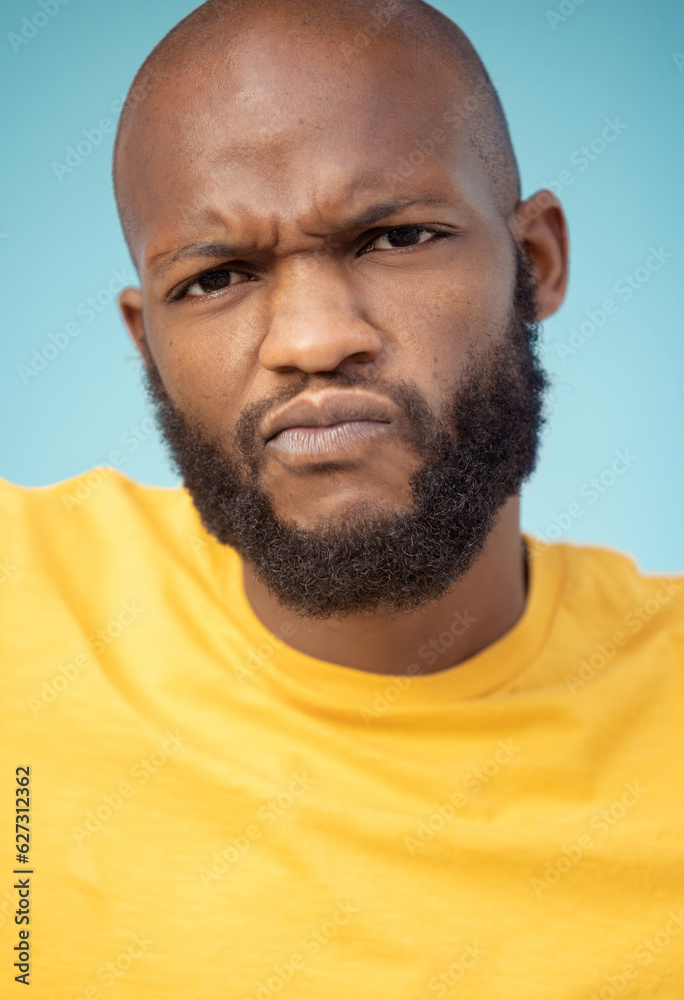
column 260, row 283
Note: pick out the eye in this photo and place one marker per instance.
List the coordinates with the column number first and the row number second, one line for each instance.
column 212, row 281
column 220, row 278
column 405, row 236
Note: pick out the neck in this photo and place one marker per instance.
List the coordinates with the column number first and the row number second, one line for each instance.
column 479, row 609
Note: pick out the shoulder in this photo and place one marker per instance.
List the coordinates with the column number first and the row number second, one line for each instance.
column 605, row 583
column 101, row 500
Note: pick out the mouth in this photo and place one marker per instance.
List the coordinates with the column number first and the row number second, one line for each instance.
column 327, row 421
column 318, row 441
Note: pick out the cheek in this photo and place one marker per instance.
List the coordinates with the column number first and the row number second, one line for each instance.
column 440, row 327
column 204, row 371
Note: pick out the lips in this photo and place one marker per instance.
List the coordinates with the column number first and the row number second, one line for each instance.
column 327, row 407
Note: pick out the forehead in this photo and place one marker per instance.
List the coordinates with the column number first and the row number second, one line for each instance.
column 303, row 131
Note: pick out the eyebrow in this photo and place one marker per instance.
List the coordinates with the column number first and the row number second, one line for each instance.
column 161, row 263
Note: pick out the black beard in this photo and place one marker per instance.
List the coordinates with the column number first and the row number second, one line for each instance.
column 378, row 560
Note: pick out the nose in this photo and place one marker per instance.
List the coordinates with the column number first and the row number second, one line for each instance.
column 315, row 318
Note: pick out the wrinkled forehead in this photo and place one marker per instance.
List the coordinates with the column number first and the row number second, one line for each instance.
column 295, row 128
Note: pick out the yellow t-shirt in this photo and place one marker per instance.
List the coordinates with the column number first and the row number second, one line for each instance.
column 216, row 816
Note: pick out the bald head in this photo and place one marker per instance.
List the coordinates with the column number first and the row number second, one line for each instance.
column 426, row 58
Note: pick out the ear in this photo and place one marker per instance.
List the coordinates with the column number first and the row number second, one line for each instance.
column 131, row 306
column 539, row 226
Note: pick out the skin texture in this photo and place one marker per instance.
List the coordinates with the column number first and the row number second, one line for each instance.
column 277, row 150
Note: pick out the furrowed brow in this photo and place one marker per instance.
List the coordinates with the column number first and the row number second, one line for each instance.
column 163, row 262
column 381, row 211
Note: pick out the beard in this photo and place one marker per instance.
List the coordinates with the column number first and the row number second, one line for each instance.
column 475, row 457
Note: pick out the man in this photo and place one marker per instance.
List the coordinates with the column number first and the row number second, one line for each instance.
column 325, row 724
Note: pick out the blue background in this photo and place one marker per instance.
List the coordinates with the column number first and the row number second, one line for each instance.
column 561, row 71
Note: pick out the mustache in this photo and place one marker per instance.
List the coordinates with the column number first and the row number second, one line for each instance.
column 417, row 421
